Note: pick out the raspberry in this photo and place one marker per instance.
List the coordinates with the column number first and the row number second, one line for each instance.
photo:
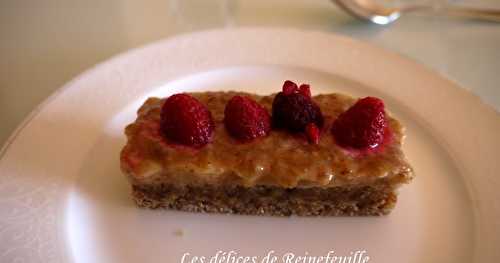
column 289, row 87
column 186, row 121
column 305, row 90
column 245, row 119
column 362, row 125
column 294, row 110
column 312, row 132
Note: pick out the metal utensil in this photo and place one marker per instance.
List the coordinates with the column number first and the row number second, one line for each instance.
column 370, row 10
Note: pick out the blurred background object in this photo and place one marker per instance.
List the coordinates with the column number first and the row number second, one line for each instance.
column 373, row 11
column 47, row 43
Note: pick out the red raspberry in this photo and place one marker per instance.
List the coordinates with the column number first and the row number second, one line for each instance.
column 312, row 132
column 245, row 119
column 289, row 87
column 294, row 110
column 186, row 121
column 305, row 90
column 362, row 125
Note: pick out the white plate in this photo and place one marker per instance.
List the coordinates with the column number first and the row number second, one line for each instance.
column 63, row 198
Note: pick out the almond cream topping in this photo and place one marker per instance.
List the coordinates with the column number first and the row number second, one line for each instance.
column 282, row 158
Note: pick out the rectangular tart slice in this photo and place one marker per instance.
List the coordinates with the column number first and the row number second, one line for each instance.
column 280, row 174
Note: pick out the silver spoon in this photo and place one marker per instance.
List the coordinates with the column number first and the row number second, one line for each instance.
column 370, row 10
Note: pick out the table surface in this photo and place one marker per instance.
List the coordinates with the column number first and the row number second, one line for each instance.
column 45, row 44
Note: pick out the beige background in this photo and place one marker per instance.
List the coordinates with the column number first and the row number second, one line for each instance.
column 44, row 44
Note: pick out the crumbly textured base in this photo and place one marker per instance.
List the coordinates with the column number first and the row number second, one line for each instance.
column 264, row 200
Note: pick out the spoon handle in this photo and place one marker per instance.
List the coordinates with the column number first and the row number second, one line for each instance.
column 473, row 13
column 492, row 15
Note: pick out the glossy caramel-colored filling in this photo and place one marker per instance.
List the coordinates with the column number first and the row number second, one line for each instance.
column 281, row 159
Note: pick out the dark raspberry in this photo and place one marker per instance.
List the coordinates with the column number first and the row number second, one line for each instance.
column 293, row 111
column 186, row 121
column 245, row 119
column 362, row 125
column 312, row 132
